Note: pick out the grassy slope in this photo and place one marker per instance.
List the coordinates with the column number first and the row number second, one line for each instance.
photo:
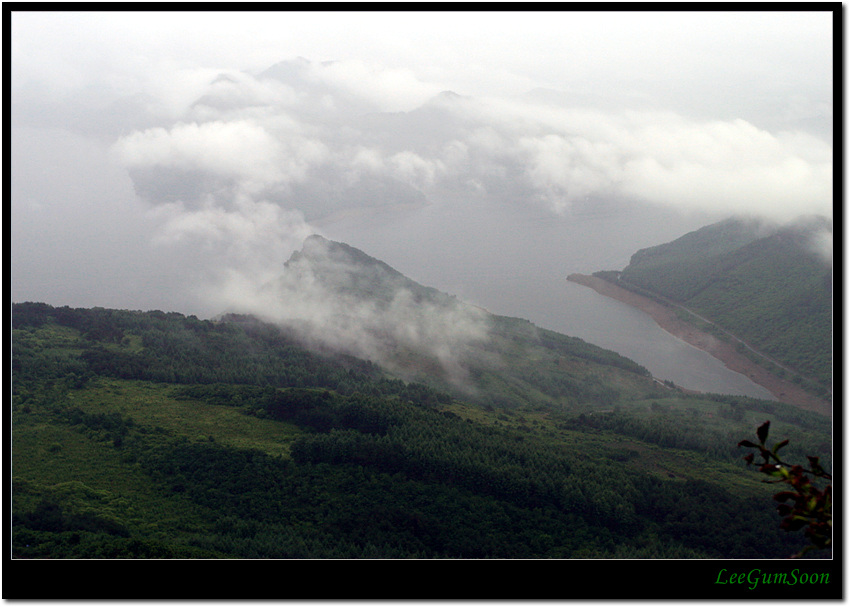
column 53, row 459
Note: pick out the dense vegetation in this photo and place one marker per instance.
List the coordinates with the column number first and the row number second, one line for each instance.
column 154, row 435
column 769, row 288
column 516, row 364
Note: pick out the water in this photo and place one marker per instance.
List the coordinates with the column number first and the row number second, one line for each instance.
column 513, row 259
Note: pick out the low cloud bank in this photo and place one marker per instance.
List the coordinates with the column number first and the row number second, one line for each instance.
column 303, row 131
column 334, row 296
column 241, row 178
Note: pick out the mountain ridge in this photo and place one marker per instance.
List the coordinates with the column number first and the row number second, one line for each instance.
column 360, row 305
column 771, row 286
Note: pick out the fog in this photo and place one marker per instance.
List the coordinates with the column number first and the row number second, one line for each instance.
column 332, row 296
column 176, row 161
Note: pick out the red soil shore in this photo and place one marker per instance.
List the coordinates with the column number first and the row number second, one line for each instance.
column 783, row 390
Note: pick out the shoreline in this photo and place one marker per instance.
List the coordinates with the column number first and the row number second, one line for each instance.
column 782, row 390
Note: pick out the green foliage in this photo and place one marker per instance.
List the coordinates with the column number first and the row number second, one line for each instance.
column 708, row 425
column 152, row 435
column 810, row 506
column 769, row 289
column 573, row 346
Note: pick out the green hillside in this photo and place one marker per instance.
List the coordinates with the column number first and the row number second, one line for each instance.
column 156, row 435
column 766, row 286
column 349, row 270
column 463, row 435
column 361, row 306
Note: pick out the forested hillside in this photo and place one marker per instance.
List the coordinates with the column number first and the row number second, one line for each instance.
column 769, row 287
column 335, row 298
column 156, row 435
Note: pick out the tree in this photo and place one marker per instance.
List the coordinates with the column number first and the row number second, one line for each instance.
column 804, row 504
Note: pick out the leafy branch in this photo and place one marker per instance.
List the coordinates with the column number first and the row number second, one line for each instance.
column 804, row 504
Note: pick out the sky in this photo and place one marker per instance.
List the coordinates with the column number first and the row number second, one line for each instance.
column 175, row 160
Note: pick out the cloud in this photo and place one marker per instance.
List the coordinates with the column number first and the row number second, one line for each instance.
column 568, row 169
column 366, row 160
column 566, row 155
column 242, row 178
column 387, row 89
column 193, row 162
column 331, row 295
column 239, row 149
column 237, row 92
column 247, row 224
column 821, row 243
column 319, row 125
column 729, row 167
column 415, row 170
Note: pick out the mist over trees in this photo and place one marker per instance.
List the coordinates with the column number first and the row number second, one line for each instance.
column 224, row 348
column 337, row 459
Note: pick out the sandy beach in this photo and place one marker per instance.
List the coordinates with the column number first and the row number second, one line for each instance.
column 783, row 390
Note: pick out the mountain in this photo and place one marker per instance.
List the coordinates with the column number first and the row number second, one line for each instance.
column 157, row 435
column 769, row 286
column 338, row 298
column 347, row 270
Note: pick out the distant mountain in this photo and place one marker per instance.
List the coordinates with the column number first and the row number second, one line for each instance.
column 339, row 299
column 770, row 286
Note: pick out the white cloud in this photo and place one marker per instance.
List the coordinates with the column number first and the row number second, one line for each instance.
column 728, row 166
column 822, row 245
column 412, row 168
column 232, row 149
column 388, row 89
column 367, row 160
column 565, row 170
column 319, row 295
column 250, row 234
column 232, row 160
column 568, row 154
column 241, row 151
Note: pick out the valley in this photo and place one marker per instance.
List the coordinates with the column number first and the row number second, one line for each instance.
column 403, row 293
column 157, row 435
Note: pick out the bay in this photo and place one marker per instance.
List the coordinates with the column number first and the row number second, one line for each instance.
column 513, row 259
